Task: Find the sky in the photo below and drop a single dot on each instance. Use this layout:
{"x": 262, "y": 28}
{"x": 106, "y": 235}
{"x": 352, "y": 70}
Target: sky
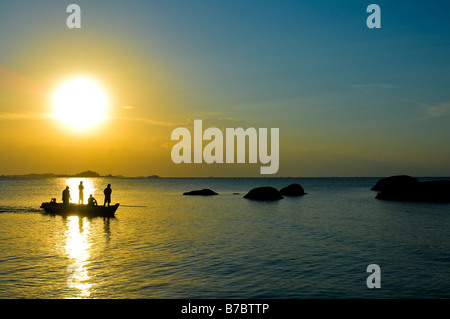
{"x": 348, "y": 100}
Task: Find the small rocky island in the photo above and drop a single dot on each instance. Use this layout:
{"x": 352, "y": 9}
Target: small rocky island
{"x": 202, "y": 192}
{"x": 266, "y": 193}
{"x": 293, "y": 190}
{"x": 410, "y": 189}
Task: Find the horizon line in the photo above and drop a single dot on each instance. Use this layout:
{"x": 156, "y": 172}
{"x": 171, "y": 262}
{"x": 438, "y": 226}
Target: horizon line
{"x": 154, "y": 176}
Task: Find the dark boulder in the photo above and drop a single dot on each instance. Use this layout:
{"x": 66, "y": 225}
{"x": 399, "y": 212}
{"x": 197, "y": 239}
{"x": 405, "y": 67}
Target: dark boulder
{"x": 395, "y": 182}
{"x": 293, "y": 190}
{"x": 409, "y": 189}
{"x": 435, "y": 191}
{"x": 203, "y": 192}
{"x": 264, "y": 194}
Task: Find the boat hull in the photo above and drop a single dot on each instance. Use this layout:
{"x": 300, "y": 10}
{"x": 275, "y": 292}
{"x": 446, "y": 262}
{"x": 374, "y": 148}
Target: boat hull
{"x": 79, "y": 210}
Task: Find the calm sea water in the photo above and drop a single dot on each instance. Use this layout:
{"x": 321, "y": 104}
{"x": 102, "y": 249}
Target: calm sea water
{"x": 316, "y": 246}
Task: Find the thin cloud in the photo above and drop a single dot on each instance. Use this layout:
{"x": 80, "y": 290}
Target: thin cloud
{"x": 220, "y": 123}
{"x": 374, "y": 86}
{"x": 25, "y": 116}
{"x": 143, "y": 120}
{"x": 437, "y": 110}
{"x": 20, "y": 82}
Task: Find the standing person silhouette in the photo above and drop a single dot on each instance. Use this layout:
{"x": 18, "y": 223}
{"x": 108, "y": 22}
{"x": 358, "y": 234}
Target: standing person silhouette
{"x": 81, "y": 195}
{"x": 107, "y": 193}
{"x": 66, "y": 196}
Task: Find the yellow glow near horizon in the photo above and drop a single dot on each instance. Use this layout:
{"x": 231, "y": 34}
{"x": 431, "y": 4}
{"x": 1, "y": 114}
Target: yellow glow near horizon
{"x": 80, "y": 103}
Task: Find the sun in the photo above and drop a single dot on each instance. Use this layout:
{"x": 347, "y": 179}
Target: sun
{"x": 80, "y": 103}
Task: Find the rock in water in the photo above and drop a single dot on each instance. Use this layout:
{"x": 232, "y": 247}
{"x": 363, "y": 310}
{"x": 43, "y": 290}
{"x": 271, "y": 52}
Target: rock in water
{"x": 406, "y": 188}
{"x": 435, "y": 191}
{"x": 203, "y": 192}
{"x": 293, "y": 190}
{"x": 395, "y": 182}
{"x": 264, "y": 194}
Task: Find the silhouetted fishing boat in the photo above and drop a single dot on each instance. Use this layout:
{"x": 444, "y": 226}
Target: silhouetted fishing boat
{"x": 80, "y": 210}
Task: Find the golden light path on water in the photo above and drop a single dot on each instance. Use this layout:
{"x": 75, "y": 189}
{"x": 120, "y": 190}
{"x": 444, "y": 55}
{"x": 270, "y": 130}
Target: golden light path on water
{"x": 77, "y": 245}
{"x": 77, "y": 249}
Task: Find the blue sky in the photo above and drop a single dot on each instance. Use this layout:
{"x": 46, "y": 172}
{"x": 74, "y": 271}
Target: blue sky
{"x": 338, "y": 91}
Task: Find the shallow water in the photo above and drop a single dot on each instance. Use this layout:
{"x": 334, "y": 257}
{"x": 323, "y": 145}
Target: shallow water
{"x": 315, "y": 246}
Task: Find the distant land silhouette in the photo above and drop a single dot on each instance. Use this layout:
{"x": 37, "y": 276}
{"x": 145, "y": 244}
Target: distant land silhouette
{"x": 81, "y": 175}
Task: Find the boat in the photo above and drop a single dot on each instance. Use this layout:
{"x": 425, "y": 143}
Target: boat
{"x": 79, "y": 210}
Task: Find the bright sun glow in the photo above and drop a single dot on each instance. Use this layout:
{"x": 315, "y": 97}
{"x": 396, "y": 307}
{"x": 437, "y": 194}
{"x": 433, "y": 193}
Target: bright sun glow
{"x": 80, "y": 103}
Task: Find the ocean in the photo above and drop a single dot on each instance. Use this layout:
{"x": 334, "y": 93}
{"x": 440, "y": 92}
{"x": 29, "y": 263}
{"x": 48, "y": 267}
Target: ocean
{"x": 173, "y": 246}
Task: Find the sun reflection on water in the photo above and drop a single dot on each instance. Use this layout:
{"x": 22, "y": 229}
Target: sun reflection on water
{"x": 77, "y": 249}
{"x": 89, "y": 188}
